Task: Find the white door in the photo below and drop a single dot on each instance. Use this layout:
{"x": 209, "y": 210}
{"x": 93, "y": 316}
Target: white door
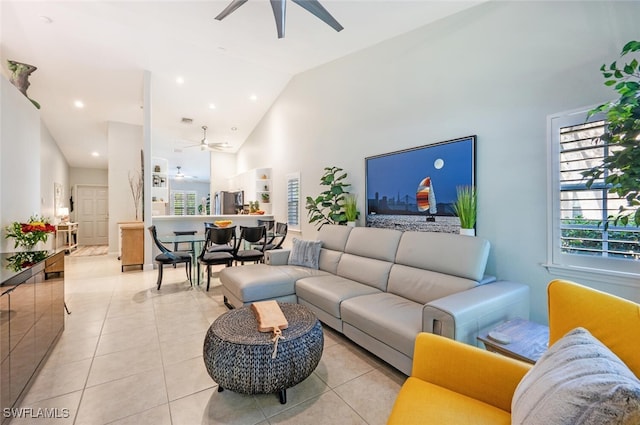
{"x": 92, "y": 215}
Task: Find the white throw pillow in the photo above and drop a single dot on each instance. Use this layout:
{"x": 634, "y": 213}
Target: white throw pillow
{"x": 577, "y": 381}
{"x": 305, "y": 253}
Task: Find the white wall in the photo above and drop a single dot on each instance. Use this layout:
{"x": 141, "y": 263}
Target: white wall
{"x": 92, "y": 176}
{"x": 30, "y": 161}
{"x": 497, "y": 71}
{"x": 124, "y": 145}
{"x": 54, "y": 168}
{"x": 20, "y": 159}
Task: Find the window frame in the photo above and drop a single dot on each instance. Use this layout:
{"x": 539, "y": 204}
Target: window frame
{"x": 288, "y": 178}
{"x": 616, "y": 270}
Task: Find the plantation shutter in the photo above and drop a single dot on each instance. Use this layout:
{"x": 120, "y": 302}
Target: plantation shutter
{"x": 583, "y": 211}
{"x": 293, "y": 201}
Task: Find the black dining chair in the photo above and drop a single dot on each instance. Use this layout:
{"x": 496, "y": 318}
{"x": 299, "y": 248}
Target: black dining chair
{"x": 167, "y": 256}
{"x": 277, "y": 238}
{"x": 250, "y": 236}
{"x": 222, "y": 237}
{"x": 268, "y": 223}
{"x": 221, "y": 244}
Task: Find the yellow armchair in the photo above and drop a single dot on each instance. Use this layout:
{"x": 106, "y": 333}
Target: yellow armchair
{"x": 453, "y": 383}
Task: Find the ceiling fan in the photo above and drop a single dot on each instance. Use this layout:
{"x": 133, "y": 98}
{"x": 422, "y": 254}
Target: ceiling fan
{"x": 205, "y": 144}
{"x": 279, "y": 11}
{"x": 180, "y": 175}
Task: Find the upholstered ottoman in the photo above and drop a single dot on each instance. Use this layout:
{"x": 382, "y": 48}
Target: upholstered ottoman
{"x": 242, "y": 359}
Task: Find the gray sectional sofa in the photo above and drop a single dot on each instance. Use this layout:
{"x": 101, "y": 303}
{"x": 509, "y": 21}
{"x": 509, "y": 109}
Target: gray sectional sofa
{"x": 381, "y": 287}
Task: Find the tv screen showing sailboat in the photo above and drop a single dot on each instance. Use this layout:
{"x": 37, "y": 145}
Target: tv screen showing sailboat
{"x": 415, "y": 189}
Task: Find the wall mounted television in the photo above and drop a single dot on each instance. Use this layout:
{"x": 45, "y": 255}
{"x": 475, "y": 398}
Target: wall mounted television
{"x": 414, "y": 189}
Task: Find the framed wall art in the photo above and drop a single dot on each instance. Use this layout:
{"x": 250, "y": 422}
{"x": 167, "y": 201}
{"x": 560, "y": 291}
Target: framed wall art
{"x": 414, "y": 189}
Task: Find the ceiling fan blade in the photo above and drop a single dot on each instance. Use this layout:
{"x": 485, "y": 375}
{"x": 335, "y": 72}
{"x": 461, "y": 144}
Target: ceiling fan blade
{"x": 279, "y": 12}
{"x": 230, "y": 9}
{"x": 319, "y": 11}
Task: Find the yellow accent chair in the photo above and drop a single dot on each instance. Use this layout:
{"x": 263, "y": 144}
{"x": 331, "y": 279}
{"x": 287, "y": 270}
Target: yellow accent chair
{"x": 453, "y": 383}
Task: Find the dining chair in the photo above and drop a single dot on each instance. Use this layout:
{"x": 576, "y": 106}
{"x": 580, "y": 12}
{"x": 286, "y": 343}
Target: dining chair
{"x": 167, "y": 256}
{"x": 221, "y": 244}
{"x": 277, "y": 238}
{"x": 222, "y": 237}
{"x": 268, "y": 223}
{"x": 251, "y": 236}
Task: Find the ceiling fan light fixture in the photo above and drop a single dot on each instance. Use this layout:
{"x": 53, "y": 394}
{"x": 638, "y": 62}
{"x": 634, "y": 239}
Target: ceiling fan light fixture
{"x": 279, "y": 13}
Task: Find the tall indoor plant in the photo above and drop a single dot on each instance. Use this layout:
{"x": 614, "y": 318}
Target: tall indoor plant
{"x": 466, "y": 207}
{"x": 350, "y": 209}
{"x": 621, "y": 168}
{"x": 327, "y": 208}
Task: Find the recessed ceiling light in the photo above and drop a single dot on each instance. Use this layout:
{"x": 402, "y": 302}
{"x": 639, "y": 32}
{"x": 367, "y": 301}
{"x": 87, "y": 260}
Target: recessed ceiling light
{"x": 234, "y": 128}
{"x": 253, "y": 97}
{"x": 179, "y": 80}
{"x": 78, "y": 104}
{"x": 96, "y": 154}
{"x": 212, "y": 106}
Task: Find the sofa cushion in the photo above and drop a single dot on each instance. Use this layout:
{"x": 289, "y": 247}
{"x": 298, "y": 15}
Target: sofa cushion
{"x": 333, "y": 236}
{"x": 305, "y": 253}
{"x": 329, "y": 260}
{"x": 421, "y": 402}
{"x": 365, "y": 270}
{"x": 423, "y": 286}
{"x": 327, "y": 292}
{"x": 371, "y": 242}
{"x": 256, "y": 282}
{"x": 389, "y": 318}
{"x": 578, "y": 381}
{"x": 445, "y": 253}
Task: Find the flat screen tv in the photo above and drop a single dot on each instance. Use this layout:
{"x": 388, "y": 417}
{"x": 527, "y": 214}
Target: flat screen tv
{"x": 414, "y": 189}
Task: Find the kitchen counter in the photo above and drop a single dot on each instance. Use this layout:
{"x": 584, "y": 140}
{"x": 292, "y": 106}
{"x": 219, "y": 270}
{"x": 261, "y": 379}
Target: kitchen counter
{"x": 167, "y": 224}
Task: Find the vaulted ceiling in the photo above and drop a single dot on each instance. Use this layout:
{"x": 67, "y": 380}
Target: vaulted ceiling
{"x": 231, "y": 71}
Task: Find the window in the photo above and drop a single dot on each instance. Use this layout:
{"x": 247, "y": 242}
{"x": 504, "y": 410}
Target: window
{"x": 293, "y": 201}
{"x": 183, "y": 202}
{"x": 577, "y": 235}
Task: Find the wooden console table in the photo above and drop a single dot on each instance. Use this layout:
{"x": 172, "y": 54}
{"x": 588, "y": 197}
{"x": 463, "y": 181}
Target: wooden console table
{"x": 527, "y": 340}
{"x": 132, "y": 240}
{"x": 69, "y": 232}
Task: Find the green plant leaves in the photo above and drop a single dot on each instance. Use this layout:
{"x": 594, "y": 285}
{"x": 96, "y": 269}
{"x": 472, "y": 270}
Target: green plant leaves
{"x": 327, "y": 208}
{"x": 622, "y": 166}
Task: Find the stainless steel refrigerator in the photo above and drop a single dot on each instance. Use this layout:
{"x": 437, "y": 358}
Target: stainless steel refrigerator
{"x": 228, "y": 202}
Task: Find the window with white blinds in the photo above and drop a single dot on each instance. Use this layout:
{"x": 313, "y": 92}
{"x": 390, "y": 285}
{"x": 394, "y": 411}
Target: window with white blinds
{"x": 183, "y": 202}
{"x": 293, "y": 201}
{"x": 579, "y": 236}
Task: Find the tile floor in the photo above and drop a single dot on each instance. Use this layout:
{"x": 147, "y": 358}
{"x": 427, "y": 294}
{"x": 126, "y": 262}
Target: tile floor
{"x": 133, "y": 355}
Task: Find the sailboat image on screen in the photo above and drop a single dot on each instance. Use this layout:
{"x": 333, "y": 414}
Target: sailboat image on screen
{"x": 426, "y": 198}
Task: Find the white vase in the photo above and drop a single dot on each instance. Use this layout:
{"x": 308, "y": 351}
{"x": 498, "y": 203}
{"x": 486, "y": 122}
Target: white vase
{"x": 351, "y": 223}
{"x": 467, "y": 232}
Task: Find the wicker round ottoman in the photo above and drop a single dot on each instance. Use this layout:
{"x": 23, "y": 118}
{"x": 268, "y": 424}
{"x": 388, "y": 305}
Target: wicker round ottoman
{"x": 239, "y": 357}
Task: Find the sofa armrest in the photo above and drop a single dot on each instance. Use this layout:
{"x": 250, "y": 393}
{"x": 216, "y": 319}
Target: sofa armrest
{"x": 277, "y": 257}
{"x": 467, "y": 370}
{"x": 464, "y": 315}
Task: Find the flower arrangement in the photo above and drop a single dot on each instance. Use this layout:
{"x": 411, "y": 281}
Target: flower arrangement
{"x": 22, "y": 260}
{"x": 28, "y": 234}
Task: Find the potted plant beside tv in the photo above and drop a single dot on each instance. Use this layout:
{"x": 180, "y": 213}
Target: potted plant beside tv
{"x": 327, "y": 208}
{"x": 466, "y": 207}
{"x": 351, "y": 209}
